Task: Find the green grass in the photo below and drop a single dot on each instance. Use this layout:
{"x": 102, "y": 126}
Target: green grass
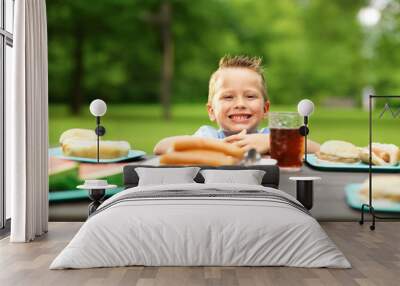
{"x": 143, "y": 126}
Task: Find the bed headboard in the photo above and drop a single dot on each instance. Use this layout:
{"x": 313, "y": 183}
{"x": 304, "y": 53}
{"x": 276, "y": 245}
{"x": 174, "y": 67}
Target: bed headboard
{"x": 270, "y": 179}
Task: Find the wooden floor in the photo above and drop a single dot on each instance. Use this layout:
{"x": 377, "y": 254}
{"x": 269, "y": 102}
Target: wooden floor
{"x": 375, "y": 257}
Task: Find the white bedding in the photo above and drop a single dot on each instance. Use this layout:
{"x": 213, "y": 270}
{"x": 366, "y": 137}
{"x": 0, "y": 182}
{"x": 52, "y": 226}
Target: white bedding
{"x": 183, "y": 231}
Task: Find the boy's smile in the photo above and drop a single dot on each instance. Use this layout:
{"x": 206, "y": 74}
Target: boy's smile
{"x": 240, "y": 117}
{"x": 238, "y": 102}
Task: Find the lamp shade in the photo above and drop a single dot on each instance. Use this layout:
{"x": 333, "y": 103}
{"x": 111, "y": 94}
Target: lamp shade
{"x": 305, "y": 107}
{"x": 98, "y": 107}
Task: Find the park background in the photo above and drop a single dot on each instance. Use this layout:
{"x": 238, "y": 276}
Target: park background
{"x": 151, "y": 61}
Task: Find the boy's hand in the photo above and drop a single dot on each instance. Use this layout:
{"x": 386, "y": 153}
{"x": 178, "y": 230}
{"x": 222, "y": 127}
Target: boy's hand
{"x": 236, "y": 137}
{"x": 247, "y": 141}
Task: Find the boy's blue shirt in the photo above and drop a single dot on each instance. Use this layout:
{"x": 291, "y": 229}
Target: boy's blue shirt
{"x": 207, "y": 131}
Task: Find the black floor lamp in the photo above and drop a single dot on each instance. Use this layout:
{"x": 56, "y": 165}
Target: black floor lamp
{"x": 97, "y": 188}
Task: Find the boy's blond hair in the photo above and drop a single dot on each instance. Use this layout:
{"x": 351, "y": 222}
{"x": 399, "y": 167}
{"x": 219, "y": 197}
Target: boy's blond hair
{"x": 227, "y": 61}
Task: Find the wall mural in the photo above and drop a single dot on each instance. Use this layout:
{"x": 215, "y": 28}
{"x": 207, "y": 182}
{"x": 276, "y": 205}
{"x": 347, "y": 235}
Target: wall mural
{"x": 155, "y": 73}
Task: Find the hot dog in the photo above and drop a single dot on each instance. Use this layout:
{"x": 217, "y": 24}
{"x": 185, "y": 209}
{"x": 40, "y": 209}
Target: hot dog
{"x": 195, "y": 143}
{"x": 197, "y": 157}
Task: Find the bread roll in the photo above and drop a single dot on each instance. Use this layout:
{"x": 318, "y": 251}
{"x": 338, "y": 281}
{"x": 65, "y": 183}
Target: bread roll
{"x": 338, "y": 151}
{"x": 382, "y": 154}
{"x": 197, "y": 157}
{"x": 195, "y": 143}
{"x": 77, "y": 134}
{"x": 88, "y": 149}
{"x": 383, "y": 187}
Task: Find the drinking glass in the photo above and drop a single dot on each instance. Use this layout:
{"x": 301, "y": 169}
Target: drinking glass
{"x": 286, "y": 142}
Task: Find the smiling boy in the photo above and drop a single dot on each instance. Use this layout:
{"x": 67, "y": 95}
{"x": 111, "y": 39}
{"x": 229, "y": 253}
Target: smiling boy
{"x": 238, "y": 103}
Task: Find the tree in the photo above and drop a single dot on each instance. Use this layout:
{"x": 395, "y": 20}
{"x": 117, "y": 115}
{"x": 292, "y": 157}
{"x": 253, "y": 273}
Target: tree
{"x": 165, "y": 50}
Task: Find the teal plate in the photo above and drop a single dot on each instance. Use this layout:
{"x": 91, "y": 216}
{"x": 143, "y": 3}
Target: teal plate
{"x": 355, "y": 167}
{"x": 132, "y": 155}
{"x": 354, "y": 200}
{"x": 71, "y": 195}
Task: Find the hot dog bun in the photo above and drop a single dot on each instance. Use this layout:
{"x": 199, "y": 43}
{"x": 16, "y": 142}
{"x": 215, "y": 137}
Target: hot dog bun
{"x": 382, "y": 154}
{"x": 88, "y": 149}
{"x": 338, "y": 151}
{"x": 383, "y": 187}
{"x": 77, "y": 134}
{"x": 197, "y": 157}
{"x": 195, "y": 143}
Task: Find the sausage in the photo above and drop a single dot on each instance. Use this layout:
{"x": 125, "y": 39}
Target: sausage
{"x": 195, "y": 143}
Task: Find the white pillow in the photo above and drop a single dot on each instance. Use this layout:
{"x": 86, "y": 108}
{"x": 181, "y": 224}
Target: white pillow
{"x": 164, "y": 176}
{"x": 249, "y": 177}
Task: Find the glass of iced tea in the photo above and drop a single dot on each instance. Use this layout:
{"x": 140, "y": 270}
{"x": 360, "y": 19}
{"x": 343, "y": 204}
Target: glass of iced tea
{"x": 286, "y": 142}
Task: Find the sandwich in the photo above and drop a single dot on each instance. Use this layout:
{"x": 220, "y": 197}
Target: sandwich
{"x": 383, "y": 188}
{"x": 338, "y": 152}
{"x": 88, "y": 149}
{"x": 78, "y": 142}
{"x": 77, "y": 134}
{"x": 382, "y": 154}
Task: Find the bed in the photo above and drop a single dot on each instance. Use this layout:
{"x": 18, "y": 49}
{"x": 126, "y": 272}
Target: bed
{"x": 201, "y": 224}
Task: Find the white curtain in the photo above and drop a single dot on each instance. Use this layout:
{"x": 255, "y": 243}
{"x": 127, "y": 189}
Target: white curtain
{"x": 26, "y": 119}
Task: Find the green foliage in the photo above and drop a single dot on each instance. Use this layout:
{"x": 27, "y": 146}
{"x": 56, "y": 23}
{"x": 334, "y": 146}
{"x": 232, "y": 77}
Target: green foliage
{"x": 311, "y": 48}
